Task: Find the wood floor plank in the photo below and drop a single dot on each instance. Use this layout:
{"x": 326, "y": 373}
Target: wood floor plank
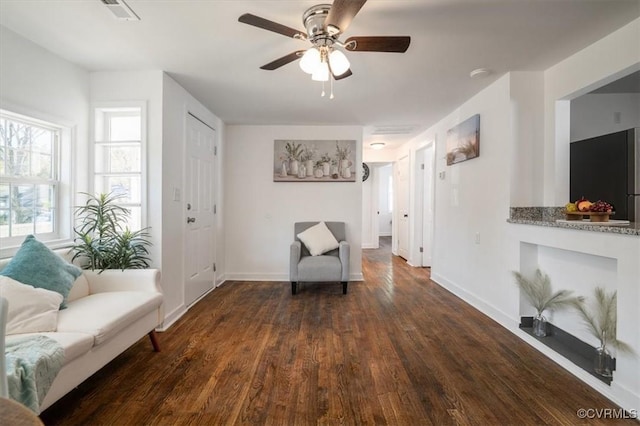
{"x": 397, "y": 349}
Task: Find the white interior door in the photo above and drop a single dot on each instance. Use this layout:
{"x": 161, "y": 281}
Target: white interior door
{"x": 199, "y": 253}
{"x": 428, "y": 204}
{"x": 402, "y": 198}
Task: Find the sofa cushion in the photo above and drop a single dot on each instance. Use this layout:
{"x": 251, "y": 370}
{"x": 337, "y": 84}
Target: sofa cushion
{"x": 79, "y": 289}
{"x": 318, "y": 239}
{"x": 35, "y": 264}
{"x": 105, "y": 314}
{"x": 30, "y": 309}
{"x": 74, "y": 344}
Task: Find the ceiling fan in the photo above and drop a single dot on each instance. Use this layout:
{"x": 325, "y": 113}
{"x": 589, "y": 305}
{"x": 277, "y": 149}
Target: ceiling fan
{"x": 324, "y": 23}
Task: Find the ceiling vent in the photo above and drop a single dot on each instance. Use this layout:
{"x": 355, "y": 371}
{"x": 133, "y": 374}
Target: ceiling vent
{"x": 393, "y": 130}
{"x": 121, "y": 10}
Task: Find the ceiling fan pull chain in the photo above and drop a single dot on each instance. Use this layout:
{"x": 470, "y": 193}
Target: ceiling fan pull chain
{"x": 331, "y": 85}
{"x": 322, "y": 94}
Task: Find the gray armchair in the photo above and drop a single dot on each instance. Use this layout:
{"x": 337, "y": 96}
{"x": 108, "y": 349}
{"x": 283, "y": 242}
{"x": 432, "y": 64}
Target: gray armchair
{"x": 332, "y": 266}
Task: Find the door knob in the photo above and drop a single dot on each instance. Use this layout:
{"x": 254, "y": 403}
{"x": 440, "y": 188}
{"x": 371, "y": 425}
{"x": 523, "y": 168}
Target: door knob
{"x": 191, "y": 219}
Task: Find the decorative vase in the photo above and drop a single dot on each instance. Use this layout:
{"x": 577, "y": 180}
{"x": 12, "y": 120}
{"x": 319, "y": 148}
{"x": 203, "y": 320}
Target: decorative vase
{"x": 293, "y": 167}
{"x": 603, "y": 363}
{"x": 318, "y": 173}
{"x": 308, "y": 165}
{"x": 539, "y": 325}
{"x": 326, "y": 169}
{"x": 302, "y": 173}
{"x": 344, "y": 166}
{"x": 283, "y": 171}
{"x": 334, "y": 170}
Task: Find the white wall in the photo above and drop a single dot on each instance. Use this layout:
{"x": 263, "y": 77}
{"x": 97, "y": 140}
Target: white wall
{"x": 527, "y": 129}
{"x": 37, "y": 83}
{"x": 177, "y": 102}
{"x": 606, "y": 60}
{"x": 259, "y": 213}
{"x": 144, "y": 86}
{"x": 384, "y": 218}
{"x": 369, "y": 199}
{"x": 473, "y": 198}
{"x": 595, "y": 114}
{"x": 524, "y": 148}
{"x": 167, "y": 106}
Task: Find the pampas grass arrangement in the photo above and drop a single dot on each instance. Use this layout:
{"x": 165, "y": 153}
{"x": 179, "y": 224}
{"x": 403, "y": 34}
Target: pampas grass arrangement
{"x": 601, "y": 319}
{"x": 539, "y": 294}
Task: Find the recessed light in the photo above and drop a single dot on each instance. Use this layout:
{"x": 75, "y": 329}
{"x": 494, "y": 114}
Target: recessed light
{"x": 479, "y": 73}
{"x": 377, "y": 145}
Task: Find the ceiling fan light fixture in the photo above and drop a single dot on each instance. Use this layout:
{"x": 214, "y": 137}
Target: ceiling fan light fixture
{"x": 310, "y": 60}
{"x": 339, "y": 62}
{"x": 321, "y": 73}
{"x": 377, "y": 145}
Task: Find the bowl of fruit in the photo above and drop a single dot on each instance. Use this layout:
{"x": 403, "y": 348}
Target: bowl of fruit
{"x": 598, "y": 211}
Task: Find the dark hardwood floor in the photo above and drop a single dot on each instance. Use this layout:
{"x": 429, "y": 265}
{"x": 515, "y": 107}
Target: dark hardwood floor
{"x": 397, "y": 349}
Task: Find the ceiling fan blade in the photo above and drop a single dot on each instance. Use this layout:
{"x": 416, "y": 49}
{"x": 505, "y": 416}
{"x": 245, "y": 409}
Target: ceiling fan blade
{"x": 266, "y": 24}
{"x": 341, "y": 14}
{"x": 397, "y": 44}
{"x": 345, "y": 74}
{"x": 283, "y": 61}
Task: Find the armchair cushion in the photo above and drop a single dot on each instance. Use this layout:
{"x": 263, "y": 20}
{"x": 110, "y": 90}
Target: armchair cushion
{"x": 318, "y": 239}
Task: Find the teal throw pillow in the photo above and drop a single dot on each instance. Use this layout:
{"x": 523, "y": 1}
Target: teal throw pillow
{"x": 35, "y": 264}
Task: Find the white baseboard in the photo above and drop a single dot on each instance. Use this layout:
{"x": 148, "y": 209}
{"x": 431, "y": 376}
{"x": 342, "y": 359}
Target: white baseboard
{"x": 625, "y": 398}
{"x": 254, "y": 276}
{"x": 478, "y": 303}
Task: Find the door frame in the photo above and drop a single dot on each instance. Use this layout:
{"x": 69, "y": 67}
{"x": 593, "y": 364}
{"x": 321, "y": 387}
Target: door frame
{"x": 424, "y": 193}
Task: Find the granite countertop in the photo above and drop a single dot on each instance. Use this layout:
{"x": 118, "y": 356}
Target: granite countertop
{"x": 547, "y": 216}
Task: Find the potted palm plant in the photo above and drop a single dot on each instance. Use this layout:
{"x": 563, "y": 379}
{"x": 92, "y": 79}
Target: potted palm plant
{"x": 102, "y": 239}
{"x": 539, "y": 294}
{"x": 601, "y": 318}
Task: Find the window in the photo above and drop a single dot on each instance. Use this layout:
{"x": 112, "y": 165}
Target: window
{"x": 118, "y": 154}
{"x": 29, "y": 178}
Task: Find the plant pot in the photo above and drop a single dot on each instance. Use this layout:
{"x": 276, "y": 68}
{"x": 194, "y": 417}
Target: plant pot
{"x": 539, "y": 326}
{"x": 293, "y": 167}
{"x": 308, "y": 165}
{"x": 326, "y": 169}
{"x": 345, "y": 170}
{"x": 603, "y": 363}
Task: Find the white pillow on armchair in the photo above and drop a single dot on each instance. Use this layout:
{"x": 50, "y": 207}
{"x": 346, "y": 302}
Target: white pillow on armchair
{"x": 318, "y": 239}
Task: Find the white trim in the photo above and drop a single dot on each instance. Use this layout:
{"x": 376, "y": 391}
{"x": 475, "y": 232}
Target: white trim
{"x": 66, "y": 159}
{"x": 257, "y": 276}
{"x": 144, "y": 154}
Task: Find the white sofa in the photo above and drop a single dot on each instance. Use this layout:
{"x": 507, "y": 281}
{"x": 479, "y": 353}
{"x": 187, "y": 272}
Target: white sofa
{"x": 106, "y": 313}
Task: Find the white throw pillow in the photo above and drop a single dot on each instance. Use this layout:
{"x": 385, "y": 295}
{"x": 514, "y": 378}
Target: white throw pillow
{"x": 31, "y": 309}
{"x": 318, "y": 239}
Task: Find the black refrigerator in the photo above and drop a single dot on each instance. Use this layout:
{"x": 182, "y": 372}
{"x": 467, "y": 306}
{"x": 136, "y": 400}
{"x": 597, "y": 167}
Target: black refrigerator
{"x": 607, "y": 168}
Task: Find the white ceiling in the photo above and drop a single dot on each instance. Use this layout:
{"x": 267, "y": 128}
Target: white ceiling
{"x": 202, "y": 45}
